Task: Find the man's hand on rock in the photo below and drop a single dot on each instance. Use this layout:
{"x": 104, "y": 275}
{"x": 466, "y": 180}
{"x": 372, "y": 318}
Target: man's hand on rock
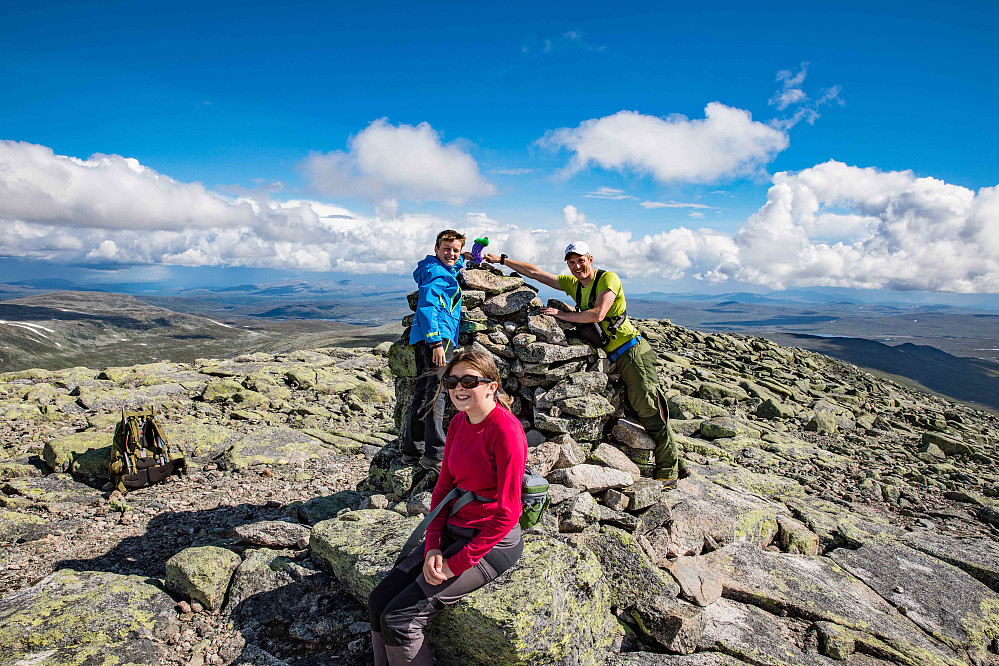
{"x": 551, "y": 312}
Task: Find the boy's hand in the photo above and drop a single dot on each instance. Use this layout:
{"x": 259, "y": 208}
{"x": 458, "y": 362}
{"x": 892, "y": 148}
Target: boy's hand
{"x": 467, "y": 255}
{"x": 438, "y": 357}
{"x": 491, "y": 258}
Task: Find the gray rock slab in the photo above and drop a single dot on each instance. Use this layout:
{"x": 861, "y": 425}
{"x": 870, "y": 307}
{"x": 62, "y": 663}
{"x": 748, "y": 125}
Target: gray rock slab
{"x": 274, "y": 534}
{"x": 816, "y": 588}
{"x": 591, "y": 478}
{"x": 698, "y": 584}
{"x": 942, "y": 599}
{"x": 755, "y": 636}
{"x": 606, "y": 455}
{"x": 978, "y": 557}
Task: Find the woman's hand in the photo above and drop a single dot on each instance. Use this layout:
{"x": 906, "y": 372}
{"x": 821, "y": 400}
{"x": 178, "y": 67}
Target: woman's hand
{"x": 435, "y": 568}
{"x": 438, "y": 357}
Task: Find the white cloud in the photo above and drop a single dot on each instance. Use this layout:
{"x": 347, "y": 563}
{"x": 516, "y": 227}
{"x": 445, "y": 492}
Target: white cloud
{"x": 104, "y": 191}
{"x": 388, "y": 161}
{"x": 792, "y": 94}
{"x": 512, "y": 172}
{"x": 829, "y": 225}
{"x": 604, "y": 192}
{"x": 672, "y": 204}
{"x": 899, "y": 232}
{"x": 726, "y": 143}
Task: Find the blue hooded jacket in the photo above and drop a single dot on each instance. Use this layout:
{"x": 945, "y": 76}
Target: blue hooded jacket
{"x": 438, "y": 310}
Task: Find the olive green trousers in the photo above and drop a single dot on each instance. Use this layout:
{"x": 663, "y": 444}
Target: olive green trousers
{"x": 637, "y": 368}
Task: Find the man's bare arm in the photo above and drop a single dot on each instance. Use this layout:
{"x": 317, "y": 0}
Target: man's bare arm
{"x": 527, "y": 270}
{"x": 605, "y": 299}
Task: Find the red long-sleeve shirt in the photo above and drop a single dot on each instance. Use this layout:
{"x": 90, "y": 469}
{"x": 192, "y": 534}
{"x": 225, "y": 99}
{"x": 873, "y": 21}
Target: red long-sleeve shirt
{"x": 487, "y": 458}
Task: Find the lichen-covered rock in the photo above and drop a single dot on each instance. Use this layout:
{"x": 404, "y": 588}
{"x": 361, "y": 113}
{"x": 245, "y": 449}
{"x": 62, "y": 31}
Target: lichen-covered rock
{"x": 587, "y": 406}
{"x": 402, "y": 359}
{"x": 87, "y": 617}
{"x": 202, "y": 574}
{"x": 577, "y": 513}
{"x": 795, "y": 537}
{"x": 543, "y": 352}
{"x": 14, "y": 523}
{"x": 824, "y": 423}
{"x": 318, "y": 509}
{"x": 268, "y": 585}
{"x": 69, "y": 453}
{"x": 606, "y": 455}
{"x": 723, "y": 426}
{"x": 220, "y": 390}
{"x": 689, "y": 407}
{"x": 514, "y": 620}
{"x": 272, "y": 446}
{"x": 629, "y": 573}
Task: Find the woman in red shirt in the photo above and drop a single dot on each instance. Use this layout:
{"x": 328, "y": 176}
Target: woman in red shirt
{"x": 485, "y": 452}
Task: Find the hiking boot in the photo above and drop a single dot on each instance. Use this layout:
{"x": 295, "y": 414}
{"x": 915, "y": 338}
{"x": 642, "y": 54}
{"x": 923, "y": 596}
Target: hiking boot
{"x": 430, "y": 464}
{"x": 410, "y": 459}
{"x": 668, "y": 478}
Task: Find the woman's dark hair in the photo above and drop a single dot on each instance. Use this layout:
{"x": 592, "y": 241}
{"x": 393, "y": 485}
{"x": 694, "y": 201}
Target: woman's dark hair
{"x": 478, "y": 360}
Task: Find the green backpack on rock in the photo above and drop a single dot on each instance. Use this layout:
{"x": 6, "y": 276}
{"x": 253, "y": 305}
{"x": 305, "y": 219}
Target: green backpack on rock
{"x": 140, "y": 455}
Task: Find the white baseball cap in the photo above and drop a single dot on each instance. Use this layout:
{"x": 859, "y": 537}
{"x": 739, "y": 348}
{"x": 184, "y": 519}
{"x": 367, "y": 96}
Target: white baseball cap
{"x": 578, "y": 247}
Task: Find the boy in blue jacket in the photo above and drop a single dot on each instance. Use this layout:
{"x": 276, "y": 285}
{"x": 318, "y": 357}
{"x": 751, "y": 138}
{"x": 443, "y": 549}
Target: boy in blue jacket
{"x": 434, "y": 336}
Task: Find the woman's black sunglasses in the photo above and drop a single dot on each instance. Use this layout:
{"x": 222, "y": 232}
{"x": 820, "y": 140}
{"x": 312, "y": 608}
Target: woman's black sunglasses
{"x": 468, "y": 381}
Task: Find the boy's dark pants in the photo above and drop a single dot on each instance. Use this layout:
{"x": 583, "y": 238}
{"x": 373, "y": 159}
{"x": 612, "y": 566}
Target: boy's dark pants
{"x": 429, "y": 429}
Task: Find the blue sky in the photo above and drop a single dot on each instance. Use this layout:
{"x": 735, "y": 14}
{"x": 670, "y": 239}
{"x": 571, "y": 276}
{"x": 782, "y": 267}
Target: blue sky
{"x": 316, "y": 140}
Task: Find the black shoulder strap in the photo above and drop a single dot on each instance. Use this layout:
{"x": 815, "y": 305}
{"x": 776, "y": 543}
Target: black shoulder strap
{"x": 593, "y": 290}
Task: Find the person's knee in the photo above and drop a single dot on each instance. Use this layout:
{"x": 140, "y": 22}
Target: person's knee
{"x": 398, "y": 628}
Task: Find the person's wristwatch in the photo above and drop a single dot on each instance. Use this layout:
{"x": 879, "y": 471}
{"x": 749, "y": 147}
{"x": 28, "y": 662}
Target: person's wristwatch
{"x": 502, "y": 260}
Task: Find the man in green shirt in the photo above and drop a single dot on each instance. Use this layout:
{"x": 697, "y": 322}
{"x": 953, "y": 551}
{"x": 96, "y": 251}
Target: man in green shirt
{"x": 601, "y": 302}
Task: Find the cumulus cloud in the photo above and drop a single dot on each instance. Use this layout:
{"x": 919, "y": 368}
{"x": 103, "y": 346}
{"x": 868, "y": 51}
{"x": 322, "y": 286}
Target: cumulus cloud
{"x": 109, "y": 208}
{"x": 104, "y": 191}
{"x": 890, "y": 230}
{"x": 726, "y": 143}
{"x": 386, "y": 161}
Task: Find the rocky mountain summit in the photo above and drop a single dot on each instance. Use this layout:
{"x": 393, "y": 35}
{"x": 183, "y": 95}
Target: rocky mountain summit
{"x": 831, "y": 516}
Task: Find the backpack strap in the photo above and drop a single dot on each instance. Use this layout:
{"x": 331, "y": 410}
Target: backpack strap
{"x": 461, "y": 497}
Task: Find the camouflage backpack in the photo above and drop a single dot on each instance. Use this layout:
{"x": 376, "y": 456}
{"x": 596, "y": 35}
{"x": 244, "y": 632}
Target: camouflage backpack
{"x": 140, "y": 455}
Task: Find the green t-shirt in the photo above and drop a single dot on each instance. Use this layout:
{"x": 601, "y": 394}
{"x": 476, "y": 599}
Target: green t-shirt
{"x": 609, "y": 280}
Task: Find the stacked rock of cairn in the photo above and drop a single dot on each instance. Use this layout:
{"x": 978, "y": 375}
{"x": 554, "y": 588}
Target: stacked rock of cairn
{"x": 572, "y": 408}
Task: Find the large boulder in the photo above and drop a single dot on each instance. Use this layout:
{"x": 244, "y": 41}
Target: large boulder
{"x": 946, "y": 602}
{"x": 86, "y": 617}
{"x": 272, "y": 446}
{"x": 552, "y": 607}
{"x": 818, "y": 589}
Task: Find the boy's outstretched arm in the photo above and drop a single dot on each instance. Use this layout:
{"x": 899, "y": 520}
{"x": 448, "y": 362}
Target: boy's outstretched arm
{"x": 527, "y": 270}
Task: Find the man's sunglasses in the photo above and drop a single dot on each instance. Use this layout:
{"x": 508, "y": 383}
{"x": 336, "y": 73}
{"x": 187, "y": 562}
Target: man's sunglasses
{"x": 468, "y": 381}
